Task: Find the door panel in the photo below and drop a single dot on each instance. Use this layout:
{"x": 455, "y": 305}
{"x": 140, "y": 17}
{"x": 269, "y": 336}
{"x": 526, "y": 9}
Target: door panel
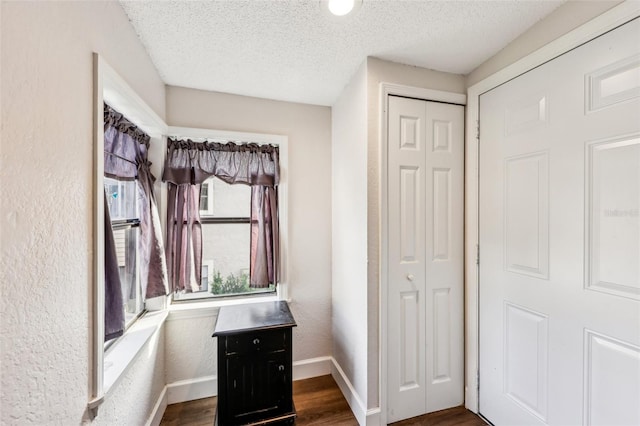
{"x": 407, "y": 256}
{"x": 425, "y": 304}
{"x": 560, "y": 239}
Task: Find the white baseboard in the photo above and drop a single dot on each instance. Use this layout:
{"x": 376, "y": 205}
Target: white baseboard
{"x": 365, "y": 417}
{"x": 373, "y": 417}
{"x": 207, "y": 386}
{"x": 158, "y": 410}
{"x": 189, "y": 390}
{"x": 312, "y": 367}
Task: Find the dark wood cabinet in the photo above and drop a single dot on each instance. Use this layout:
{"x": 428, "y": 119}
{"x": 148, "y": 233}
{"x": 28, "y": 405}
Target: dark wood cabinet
{"x": 255, "y": 364}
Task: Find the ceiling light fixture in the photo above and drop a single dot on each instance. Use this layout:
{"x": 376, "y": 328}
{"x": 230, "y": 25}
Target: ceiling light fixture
{"x": 341, "y": 7}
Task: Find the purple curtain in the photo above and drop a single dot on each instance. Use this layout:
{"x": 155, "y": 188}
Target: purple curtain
{"x": 113, "y": 303}
{"x": 193, "y": 162}
{"x": 125, "y": 158}
{"x": 184, "y": 237}
{"x": 265, "y": 234}
{"x": 190, "y": 163}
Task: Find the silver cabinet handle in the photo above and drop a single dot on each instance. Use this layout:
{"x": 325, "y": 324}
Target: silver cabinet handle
{"x": 410, "y": 277}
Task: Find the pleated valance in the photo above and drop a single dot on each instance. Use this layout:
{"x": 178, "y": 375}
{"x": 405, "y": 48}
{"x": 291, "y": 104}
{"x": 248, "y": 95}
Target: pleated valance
{"x": 125, "y": 146}
{"x": 190, "y": 162}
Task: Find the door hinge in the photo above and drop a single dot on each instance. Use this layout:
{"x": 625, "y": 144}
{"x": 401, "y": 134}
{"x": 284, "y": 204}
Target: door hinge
{"x": 477, "y": 254}
{"x": 478, "y": 130}
{"x": 478, "y": 380}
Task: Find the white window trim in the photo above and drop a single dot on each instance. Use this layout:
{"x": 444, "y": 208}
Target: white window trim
{"x": 200, "y": 135}
{"x": 111, "y": 88}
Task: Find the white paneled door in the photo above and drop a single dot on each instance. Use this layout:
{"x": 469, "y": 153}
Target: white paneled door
{"x": 560, "y": 239}
{"x": 425, "y": 257}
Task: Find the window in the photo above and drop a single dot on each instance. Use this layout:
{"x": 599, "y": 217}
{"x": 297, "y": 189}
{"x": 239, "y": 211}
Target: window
{"x": 225, "y": 214}
{"x": 206, "y": 201}
{"x": 122, "y": 199}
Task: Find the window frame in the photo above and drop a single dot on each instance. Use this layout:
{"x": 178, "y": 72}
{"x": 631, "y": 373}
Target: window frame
{"x": 223, "y": 136}
{"x": 110, "y": 87}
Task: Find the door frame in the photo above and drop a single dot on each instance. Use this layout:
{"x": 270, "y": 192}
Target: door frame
{"x": 386, "y": 90}
{"x": 614, "y": 17}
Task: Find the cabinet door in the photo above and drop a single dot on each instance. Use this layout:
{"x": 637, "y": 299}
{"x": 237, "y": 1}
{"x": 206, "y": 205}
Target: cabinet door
{"x": 258, "y": 385}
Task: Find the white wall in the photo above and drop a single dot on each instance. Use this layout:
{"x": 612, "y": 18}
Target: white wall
{"x": 189, "y": 349}
{"x": 349, "y": 232}
{"x": 138, "y": 391}
{"x": 46, "y": 194}
{"x": 564, "y": 19}
{"x": 308, "y": 128}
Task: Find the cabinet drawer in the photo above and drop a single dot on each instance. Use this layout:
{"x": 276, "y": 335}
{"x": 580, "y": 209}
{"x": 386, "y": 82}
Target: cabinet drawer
{"x": 259, "y": 341}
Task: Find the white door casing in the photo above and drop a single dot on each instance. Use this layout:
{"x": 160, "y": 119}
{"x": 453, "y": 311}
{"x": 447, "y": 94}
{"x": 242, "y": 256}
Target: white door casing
{"x": 425, "y": 257}
{"x": 560, "y": 239}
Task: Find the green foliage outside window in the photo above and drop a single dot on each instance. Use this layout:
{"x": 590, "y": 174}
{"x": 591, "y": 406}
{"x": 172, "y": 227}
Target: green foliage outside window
{"x": 233, "y": 284}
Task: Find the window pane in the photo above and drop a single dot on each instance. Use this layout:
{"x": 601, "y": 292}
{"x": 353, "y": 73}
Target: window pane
{"x": 225, "y": 261}
{"x": 122, "y": 197}
{"x": 227, "y": 245}
{"x": 126, "y": 241}
{"x": 228, "y": 200}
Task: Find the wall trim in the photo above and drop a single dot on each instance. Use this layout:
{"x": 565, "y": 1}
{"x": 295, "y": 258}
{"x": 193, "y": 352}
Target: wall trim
{"x": 207, "y": 386}
{"x": 601, "y": 24}
{"x": 191, "y": 389}
{"x": 365, "y": 417}
{"x": 312, "y": 367}
{"x": 158, "y": 409}
{"x": 357, "y": 406}
{"x": 422, "y": 93}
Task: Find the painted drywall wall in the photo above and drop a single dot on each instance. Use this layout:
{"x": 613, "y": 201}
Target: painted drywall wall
{"x": 138, "y": 391}
{"x": 567, "y": 17}
{"x": 189, "y": 349}
{"x": 46, "y": 238}
{"x": 379, "y": 71}
{"x": 349, "y": 232}
{"x": 308, "y": 128}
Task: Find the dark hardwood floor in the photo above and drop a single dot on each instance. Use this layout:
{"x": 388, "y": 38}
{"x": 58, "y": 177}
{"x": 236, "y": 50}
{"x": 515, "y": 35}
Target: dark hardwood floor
{"x": 318, "y": 402}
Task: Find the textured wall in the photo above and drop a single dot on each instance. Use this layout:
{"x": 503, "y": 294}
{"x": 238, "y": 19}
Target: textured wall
{"x": 190, "y": 350}
{"x": 46, "y": 194}
{"x": 349, "y": 231}
{"x": 309, "y": 130}
{"x": 567, "y": 17}
{"x": 379, "y": 71}
{"x": 138, "y": 391}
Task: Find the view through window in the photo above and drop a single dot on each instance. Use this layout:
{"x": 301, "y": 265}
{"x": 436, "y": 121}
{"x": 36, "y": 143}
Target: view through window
{"x": 122, "y": 198}
{"x": 225, "y": 214}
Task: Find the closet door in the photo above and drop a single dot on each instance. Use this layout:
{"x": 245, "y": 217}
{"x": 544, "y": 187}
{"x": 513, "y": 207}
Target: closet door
{"x": 425, "y": 257}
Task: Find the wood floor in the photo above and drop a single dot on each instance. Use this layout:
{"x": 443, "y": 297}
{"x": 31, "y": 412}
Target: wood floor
{"x": 318, "y": 401}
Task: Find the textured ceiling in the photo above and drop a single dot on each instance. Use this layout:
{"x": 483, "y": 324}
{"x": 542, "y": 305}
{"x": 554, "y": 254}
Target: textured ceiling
{"x": 296, "y": 51}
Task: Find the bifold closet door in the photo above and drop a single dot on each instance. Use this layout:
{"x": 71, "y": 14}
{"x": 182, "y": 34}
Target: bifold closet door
{"x": 425, "y": 257}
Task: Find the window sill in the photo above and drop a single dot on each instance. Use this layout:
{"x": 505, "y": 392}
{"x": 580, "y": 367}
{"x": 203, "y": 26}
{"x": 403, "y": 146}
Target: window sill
{"x": 199, "y": 308}
{"x": 123, "y": 353}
